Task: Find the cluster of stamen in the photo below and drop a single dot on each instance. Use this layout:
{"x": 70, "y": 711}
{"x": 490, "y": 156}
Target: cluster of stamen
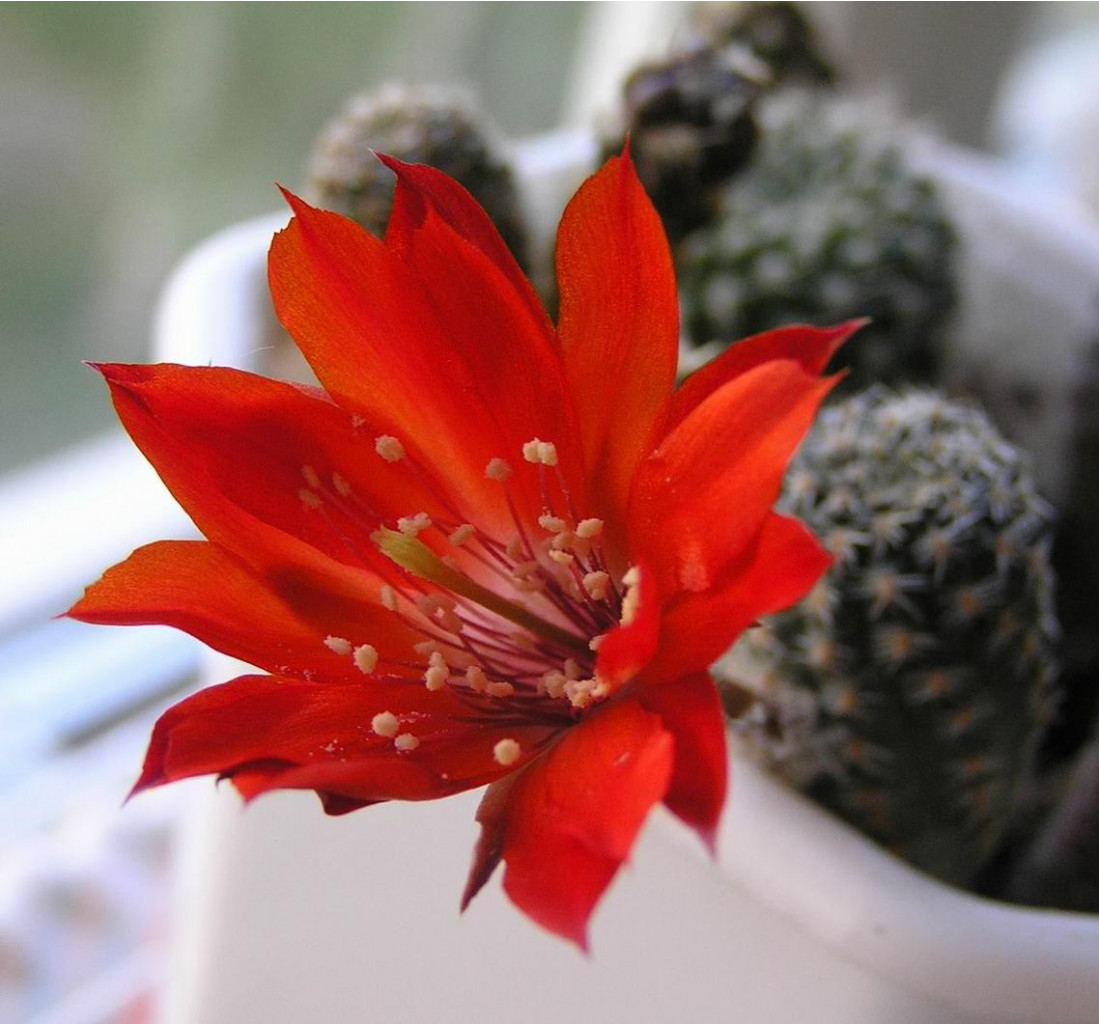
{"x": 517, "y": 643}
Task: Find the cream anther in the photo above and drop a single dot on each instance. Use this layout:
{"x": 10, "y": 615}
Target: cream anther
{"x": 366, "y": 658}
{"x": 311, "y": 477}
{"x": 596, "y": 642}
{"x": 506, "y": 752}
{"x": 338, "y": 645}
{"x": 498, "y": 470}
{"x": 597, "y": 584}
{"x": 388, "y": 596}
{"x": 476, "y": 679}
{"x": 389, "y": 448}
{"x": 580, "y": 692}
{"x": 412, "y": 526}
{"x": 561, "y": 557}
{"x": 555, "y": 524}
{"x": 589, "y": 528}
{"x": 385, "y": 724}
{"x": 554, "y": 684}
{"x": 310, "y": 499}
{"x": 631, "y": 600}
{"x": 462, "y": 534}
{"x": 343, "y": 488}
{"x": 406, "y": 741}
{"x": 499, "y": 689}
{"x": 563, "y": 540}
{"x": 435, "y": 678}
{"x": 425, "y": 648}
{"x": 540, "y": 452}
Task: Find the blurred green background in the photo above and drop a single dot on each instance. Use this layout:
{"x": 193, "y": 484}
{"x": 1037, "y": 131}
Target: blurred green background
{"x": 129, "y": 131}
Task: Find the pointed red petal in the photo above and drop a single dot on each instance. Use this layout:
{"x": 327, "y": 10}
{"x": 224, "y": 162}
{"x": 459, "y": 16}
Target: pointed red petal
{"x": 237, "y": 450}
{"x": 362, "y": 318}
{"x": 509, "y": 352}
{"x": 702, "y": 496}
{"x": 690, "y": 709}
{"x": 206, "y": 591}
{"x": 780, "y": 569}
{"x": 487, "y": 854}
{"x": 619, "y": 325}
{"x": 288, "y": 734}
{"x": 420, "y": 188}
{"x": 568, "y": 822}
{"x": 811, "y": 347}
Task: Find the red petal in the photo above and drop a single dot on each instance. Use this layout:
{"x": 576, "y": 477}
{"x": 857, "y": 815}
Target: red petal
{"x": 492, "y": 817}
{"x": 567, "y": 823}
{"x": 209, "y": 593}
{"x": 690, "y": 709}
{"x": 287, "y": 734}
{"x": 619, "y": 325}
{"x": 811, "y": 347}
{"x": 233, "y": 448}
{"x": 420, "y": 188}
{"x": 702, "y": 496}
{"x": 362, "y": 318}
{"x": 780, "y": 569}
{"x": 508, "y": 351}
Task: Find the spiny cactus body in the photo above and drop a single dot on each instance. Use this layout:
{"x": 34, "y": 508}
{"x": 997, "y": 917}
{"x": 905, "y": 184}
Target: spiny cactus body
{"x": 827, "y": 222}
{"x": 417, "y": 124}
{"x": 908, "y": 691}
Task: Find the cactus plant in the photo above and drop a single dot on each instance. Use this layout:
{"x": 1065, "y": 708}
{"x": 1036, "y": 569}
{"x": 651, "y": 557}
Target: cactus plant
{"x": 829, "y": 221}
{"x": 779, "y": 34}
{"x": 434, "y": 125}
{"x": 690, "y": 124}
{"x": 909, "y": 691}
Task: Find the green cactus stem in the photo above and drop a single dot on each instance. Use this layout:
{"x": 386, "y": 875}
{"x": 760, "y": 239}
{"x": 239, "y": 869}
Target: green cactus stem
{"x": 828, "y": 221}
{"x": 908, "y": 692}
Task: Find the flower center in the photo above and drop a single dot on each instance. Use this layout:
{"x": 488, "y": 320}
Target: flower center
{"x": 519, "y": 641}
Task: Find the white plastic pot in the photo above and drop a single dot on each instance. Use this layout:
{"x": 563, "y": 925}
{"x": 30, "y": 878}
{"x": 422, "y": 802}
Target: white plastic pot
{"x": 288, "y": 917}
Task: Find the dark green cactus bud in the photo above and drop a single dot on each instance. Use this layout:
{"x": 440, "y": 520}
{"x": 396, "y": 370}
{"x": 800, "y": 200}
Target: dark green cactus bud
{"x": 828, "y": 222}
{"x": 778, "y": 34}
{"x": 690, "y": 123}
{"x": 908, "y": 692}
{"x": 417, "y": 124}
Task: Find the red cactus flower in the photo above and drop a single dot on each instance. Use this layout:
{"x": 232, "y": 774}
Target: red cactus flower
{"x": 489, "y": 551}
